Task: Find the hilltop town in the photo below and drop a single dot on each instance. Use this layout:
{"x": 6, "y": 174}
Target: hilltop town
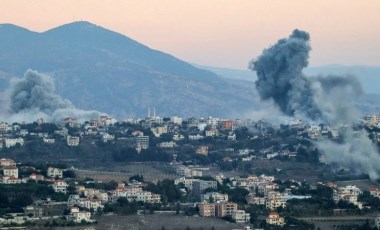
{"x": 251, "y": 173}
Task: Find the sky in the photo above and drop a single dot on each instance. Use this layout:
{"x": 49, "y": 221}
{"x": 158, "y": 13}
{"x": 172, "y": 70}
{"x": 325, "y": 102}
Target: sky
{"x": 222, "y": 33}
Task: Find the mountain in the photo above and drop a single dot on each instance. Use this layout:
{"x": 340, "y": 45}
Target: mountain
{"x": 100, "y": 69}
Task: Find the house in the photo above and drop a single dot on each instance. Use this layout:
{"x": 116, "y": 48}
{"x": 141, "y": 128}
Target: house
{"x": 348, "y": 193}
{"x": 195, "y": 137}
{"x": 60, "y": 186}
{"x": 212, "y": 133}
{"x": 275, "y": 200}
{"x": 215, "y": 197}
{"x": 178, "y": 137}
{"x": 169, "y": 144}
{"x": 10, "y": 142}
{"x": 135, "y": 193}
{"x": 80, "y": 216}
{"x": 275, "y": 219}
{"x": 240, "y": 216}
{"x": 54, "y": 172}
{"x": 6, "y": 162}
{"x": 10, "y": 180}
{"x": 10, "y": 170}
{"x": 34, "y": 211}
{"x": 202, "y": 150}
{"x": 188, "y": 182}
{"x": 158, "y": 131}
{"x": 108, "y": 137}
{"x": 48, "y": 140}
{"x": 374, "y": 192}
{"x": 37, "y": 177}
{"x": 72, "y": 141}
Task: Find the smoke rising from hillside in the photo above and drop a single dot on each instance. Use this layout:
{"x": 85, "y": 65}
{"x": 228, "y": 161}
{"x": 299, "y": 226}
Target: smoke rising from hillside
{"x": 325, "y": 99}
{"x": 34, "y": 96}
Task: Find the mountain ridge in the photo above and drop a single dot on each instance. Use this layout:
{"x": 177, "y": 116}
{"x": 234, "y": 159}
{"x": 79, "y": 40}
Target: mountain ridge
{"x": 97, "y": 68}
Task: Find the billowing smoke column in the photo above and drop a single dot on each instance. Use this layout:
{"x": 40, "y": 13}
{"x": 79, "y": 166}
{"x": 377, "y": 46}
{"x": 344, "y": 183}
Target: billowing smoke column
{"x": 34, "y": 97}
{"x": 280, "y": 77}
{"x": 325, "y": 99}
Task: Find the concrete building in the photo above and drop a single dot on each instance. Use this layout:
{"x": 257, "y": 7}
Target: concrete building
{"x": 72, "y": 141}
{"x": 142, "y": 142}
{"x": 10, "y": 171}
{"x": 240, "y": 216}
{"x": 275, "y": 200}
{"x": 207, "y": 209}
{"x": 225, "y": 209}
{"x": 54, "y": 172}
{"x": 215, "y": 197}
{"x": 202, "y": 150}
{"x": 60, "y": 186}
{"x": 6, "y": 162}
{"x": 10, "y": 142}
{"x": 200, "y": 185}
{"x": 80, "y": 216}
{"x": 275, "y": 219}
{"x": 227, "y": 125}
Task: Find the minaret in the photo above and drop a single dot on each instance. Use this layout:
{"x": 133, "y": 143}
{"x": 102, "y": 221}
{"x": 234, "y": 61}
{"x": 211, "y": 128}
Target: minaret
{"x": 149, "y": 112}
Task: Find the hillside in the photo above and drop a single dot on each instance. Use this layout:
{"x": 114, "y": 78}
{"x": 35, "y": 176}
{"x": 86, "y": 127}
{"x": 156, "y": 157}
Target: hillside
{"x": 100, "y": 69}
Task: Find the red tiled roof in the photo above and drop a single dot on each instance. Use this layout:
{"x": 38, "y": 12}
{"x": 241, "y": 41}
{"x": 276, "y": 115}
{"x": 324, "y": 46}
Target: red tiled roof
{"x": 10, "y": 167}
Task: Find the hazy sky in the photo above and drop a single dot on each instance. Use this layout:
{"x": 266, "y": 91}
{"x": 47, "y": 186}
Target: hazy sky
{"x": 226, "y": 33}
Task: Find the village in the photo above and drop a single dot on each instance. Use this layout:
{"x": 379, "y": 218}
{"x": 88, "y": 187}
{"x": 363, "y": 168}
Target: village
{"x": 37, "y": 192}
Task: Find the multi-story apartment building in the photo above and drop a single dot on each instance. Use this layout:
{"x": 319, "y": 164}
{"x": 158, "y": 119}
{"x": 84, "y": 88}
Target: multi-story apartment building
{"x": 200, "y": 185}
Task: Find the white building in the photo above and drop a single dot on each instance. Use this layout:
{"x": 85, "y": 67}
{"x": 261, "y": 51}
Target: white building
{"x": 240, "y": 216}
{"x": 10, "y": 142}
{"x": 176, "y": 120}
{"x": 72, "y": 141}
{"x": 215, "y": 197}
{"x": 79, "y": 216}
{"x": 169, "y": 144}
{"x": 60, "y": 186}
{"x": 348, "y": 193}
{"x": 108, "y": 137}
{"x": 178, "y": 137}
{"x": 10, "y": 171}
{"x": 48, "y": 140}
{"x": 55, "y": 172}
{"x": 195, "y": 137}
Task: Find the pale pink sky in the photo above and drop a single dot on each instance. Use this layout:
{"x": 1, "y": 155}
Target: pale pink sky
{"x": 226, "y": 33}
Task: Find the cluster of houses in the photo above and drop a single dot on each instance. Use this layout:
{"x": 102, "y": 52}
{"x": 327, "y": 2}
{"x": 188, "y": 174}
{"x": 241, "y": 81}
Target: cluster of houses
{"x": 348, "y": 193}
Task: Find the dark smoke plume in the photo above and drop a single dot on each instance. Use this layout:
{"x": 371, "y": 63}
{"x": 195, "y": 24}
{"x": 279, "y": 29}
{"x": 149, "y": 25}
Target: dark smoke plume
{"x": 325, "y": 99}
{"x": 280, "y": 77}
{"x": 34, "y": 97}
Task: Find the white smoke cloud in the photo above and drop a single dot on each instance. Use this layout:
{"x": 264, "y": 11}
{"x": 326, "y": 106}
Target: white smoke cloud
{"x": 34, "y": 96}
